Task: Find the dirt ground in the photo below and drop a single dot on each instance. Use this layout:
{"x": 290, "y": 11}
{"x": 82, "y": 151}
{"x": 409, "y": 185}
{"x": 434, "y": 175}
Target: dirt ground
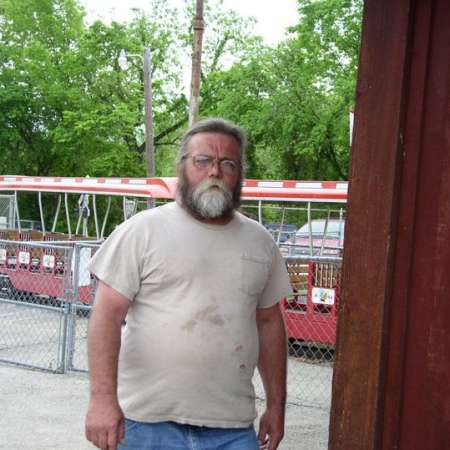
{"x": 46, "y": 411}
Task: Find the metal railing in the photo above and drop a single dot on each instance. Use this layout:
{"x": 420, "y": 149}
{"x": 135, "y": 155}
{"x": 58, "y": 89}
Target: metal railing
{"x": 42, "y": 295}
{"x": 35, "y": 295}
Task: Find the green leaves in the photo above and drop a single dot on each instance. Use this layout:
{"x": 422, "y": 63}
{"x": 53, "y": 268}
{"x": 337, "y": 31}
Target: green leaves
{"x": 294, "y": 100}
{"x": 67, "y": 109}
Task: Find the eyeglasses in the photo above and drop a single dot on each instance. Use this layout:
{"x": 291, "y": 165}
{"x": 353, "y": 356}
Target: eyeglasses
{"x": 206, "y": 162}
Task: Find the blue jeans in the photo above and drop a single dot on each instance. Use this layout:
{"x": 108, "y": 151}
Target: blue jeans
{"x": 173, "y": 436}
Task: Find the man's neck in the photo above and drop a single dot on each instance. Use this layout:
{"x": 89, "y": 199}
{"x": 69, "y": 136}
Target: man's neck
{"x": 218, "y": 221}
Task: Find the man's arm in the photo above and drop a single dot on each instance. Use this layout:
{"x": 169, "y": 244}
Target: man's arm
{"x": 104, "y": 419}
{"x": 272, "y": 368}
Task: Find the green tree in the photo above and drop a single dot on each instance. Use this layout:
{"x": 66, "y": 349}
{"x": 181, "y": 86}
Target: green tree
{"x": 67, "y": 108}
{"x": 36, "y": 43}
{"x": 294, "y": 99}
{"x": 320, "y": 66}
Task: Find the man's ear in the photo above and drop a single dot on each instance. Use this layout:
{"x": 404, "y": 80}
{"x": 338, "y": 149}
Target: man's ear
{"x": 178, "y": 169}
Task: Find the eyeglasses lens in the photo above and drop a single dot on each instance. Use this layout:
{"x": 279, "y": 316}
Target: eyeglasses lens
{"x": 206, "y": 162}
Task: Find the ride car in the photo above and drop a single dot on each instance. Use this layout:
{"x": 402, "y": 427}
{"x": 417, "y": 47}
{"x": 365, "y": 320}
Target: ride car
{"x": 320, "y": 237}
{"x": 281, "y": 232}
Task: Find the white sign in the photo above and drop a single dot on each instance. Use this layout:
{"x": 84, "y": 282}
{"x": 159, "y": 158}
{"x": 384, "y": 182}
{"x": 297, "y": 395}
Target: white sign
{"x": 48, "y": 261}
{"x": 2, "y": 255}
{"x": 323, "y": 296}
{"x": 84, "y": 276}
{"x": 24, "y": 258}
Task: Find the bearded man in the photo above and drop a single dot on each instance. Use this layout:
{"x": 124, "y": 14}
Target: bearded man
{"x": 198, "y": 284}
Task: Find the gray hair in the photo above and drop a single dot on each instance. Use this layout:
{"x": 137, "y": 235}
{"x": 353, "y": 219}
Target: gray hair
{"x": 215, "y": 125}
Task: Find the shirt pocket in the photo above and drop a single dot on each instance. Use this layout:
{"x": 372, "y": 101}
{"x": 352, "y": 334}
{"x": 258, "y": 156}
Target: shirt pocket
{"x": 254, "y": 273}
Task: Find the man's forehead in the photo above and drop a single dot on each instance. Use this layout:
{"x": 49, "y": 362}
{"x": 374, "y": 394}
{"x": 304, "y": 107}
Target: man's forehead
{"x": 213, "y": 141}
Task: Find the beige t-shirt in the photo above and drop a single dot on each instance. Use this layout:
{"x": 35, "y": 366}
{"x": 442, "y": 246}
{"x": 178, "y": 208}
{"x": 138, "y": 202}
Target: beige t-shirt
{"x": 190, "y": 344}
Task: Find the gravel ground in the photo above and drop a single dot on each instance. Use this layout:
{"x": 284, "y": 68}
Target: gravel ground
{"x": 46, "y": 411}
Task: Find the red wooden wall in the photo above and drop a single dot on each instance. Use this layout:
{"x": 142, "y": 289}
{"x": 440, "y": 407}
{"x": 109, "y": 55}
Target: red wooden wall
{"x": 392, "y": 374}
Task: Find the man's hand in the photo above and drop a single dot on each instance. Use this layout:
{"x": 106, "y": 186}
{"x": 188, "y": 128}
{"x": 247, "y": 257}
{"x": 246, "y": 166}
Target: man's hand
{"x": 104, "y": 419}
{"x": 272, "y": 368}
{"x": 105, "y": 426}
{"x": 271, "y": 428}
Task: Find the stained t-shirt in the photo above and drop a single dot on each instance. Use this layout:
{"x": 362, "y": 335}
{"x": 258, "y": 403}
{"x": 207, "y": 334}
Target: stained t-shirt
{"x": 190, "y": 344}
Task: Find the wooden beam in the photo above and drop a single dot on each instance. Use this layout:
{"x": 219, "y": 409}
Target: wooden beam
{"x": 392, "y": 346}
{"x": 368, "y": 255}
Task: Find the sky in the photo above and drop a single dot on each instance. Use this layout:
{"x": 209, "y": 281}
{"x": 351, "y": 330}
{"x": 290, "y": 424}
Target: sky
{"x": 273, "y": 17}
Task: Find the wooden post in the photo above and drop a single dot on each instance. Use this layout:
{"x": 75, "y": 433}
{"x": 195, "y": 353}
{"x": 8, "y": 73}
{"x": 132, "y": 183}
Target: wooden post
{"x": 149, "y": 145}
{"x": 196, "y": 63}
{"x": 390, "y": 388}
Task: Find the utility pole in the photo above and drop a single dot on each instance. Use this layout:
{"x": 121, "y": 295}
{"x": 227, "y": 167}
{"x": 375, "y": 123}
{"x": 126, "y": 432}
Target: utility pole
{"x": 148, "y": 111}
{"x": 199, "y": 27}
{"x": 149, "y": 145}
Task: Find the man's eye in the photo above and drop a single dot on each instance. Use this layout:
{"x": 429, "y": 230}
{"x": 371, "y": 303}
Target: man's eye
{"x": 203, "y": 160}
{"x": 228, "y": 164}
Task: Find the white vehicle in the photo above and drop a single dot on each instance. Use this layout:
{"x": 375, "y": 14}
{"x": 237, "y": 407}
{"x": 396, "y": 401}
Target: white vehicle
{"x": 320, "y": 237}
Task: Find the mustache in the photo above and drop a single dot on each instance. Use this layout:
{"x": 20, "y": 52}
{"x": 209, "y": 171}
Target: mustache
{"x": 212, "y": 183}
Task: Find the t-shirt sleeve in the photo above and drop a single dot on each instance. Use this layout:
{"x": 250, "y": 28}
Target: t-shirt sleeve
{"x": 118, "y": 262}
{"x": 278, "y": 285}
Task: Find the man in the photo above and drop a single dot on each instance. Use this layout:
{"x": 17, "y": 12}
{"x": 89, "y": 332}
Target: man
{"x": 199, "y": 285}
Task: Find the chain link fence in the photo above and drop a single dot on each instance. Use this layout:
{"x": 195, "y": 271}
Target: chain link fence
{"x": 82, "y": 307}
{"x": 7, "y": 211}
{"x": 35, "y": 292}
{"x": 47, "y": 293}
{"x": 310, "y": 316}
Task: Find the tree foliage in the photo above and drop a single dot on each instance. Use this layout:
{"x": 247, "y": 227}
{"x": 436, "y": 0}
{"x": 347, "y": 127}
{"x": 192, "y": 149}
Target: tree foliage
{"x": 294, "y": 100}
{"x": 67, "y": 109}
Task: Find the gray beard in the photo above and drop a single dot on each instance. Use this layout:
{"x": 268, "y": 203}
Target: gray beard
{"x": 211, "y": 199}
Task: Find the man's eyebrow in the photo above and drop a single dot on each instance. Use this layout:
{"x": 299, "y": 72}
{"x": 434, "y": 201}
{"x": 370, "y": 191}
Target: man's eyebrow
{"x": 220, "y": 159}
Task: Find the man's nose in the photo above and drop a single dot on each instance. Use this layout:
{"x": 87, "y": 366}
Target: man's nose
{"x": 215, "y": 170}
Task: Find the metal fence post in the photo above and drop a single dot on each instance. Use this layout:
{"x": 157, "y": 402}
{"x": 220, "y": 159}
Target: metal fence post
{"x": 68, "y": 294}
{"x": 62, "y": 366}
{"x": 73, "y": 302}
